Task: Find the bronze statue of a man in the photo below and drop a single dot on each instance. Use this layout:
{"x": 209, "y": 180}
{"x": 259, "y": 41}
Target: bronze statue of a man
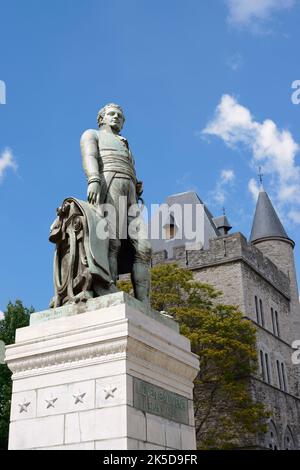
{"x": 109, "y": 166}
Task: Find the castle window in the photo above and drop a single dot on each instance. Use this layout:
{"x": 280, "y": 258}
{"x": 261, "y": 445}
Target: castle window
{"x": 289, "y": 440}
{"x": 170, "y": 231}
{"x": 273, "y": 320}
{"x": 256, "y": 310}
{"x": 259, "y": 312}
{"x": 283, "y": 377}
{"x": 272, "y": 437}
{"x": 262, "y": 320}
{"x": 277, "y": 323}
{"x": 267, "y": 368}
{"x": 170, "y": 228}
{"x": 279, "y": 375}
{"x": 262, "y": 365}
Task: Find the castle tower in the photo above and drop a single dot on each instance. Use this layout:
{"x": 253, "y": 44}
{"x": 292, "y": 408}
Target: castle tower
{"x": 259, "y": 277}
{"x": 270, "y": 237}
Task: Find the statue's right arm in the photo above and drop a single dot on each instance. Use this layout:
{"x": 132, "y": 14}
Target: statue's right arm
{"x": 89, "y": 152}
{"x": 90, "y": 161}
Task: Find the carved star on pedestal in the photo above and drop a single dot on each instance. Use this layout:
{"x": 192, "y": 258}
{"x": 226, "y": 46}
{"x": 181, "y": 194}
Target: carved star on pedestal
{"x": 50, "y": 403}
{"x": 109, "y": 392}
{"x": 23, "y": 406}
{"x": 79, "y": 397}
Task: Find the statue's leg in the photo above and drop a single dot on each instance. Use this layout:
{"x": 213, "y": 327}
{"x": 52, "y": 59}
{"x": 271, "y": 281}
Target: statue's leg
{"x": 114, "y": 248}
{"x": 140, "y": 276}
{"x": 138, "y": 236}
{"x": 114, "y": 192}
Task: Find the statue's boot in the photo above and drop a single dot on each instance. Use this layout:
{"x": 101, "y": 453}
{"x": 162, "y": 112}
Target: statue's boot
{"x": 140, "y": 277}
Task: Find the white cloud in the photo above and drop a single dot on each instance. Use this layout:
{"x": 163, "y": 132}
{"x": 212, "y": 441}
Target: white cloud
{"x": 1, "y": 315}
{"x": 272, "y": 148}
{"x": 219, "y": 194}
{"x": 7, "y": 161}
{"x": 253, "y": 188}
{"x": 294, "y": 215}
{"x": 232, "y": 122}
{"x": 251, "y": 12}
{"x": 227, "y": 175}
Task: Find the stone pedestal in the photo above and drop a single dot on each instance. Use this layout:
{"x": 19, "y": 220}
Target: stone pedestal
{"x": 110, "y": 374}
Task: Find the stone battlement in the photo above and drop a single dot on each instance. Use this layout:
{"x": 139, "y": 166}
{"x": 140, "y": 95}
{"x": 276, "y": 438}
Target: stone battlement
{"x": 229, "y": 248}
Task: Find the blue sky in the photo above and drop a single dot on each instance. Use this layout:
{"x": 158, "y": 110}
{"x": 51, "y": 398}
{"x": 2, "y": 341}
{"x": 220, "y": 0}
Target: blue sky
{"x": 206, "y": 87}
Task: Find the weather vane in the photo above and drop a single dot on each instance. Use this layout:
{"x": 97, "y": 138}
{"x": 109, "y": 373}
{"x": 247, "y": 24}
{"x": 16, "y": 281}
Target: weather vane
{"x": 260, "y": 175}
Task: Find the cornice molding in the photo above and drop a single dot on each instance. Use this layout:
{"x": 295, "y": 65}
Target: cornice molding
{"x": 83, "y": 356}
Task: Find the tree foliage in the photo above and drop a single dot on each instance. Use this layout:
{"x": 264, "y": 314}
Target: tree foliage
{"x": 225, "y": 413}
{"x": 15, "y": 316}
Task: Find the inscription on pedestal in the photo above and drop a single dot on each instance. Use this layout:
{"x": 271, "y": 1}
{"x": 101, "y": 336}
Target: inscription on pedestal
{"x": 160, "y": 402}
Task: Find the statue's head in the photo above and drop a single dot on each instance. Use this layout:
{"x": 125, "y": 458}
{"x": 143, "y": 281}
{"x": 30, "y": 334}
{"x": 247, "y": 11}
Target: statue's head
{"x": 112, "y": 115}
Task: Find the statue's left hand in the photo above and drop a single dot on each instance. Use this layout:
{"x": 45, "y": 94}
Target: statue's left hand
{"x": 94, "y": 193}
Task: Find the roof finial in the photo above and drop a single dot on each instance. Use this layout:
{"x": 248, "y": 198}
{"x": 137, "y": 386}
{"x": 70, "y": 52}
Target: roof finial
{"x": 223, "y": 209}
{"x": 260, "y": 175}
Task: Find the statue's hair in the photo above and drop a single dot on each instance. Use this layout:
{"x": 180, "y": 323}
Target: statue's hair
{"x": 102, "y": 112}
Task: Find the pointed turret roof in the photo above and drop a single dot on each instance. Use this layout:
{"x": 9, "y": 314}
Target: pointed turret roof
{"x": 266, "y": 222}
{"x": 222, "y": 222}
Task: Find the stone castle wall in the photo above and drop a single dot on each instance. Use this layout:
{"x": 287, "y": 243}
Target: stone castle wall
{"x": 281, "y": 252}
{"x": 227, "y": 249}
{"x": 241, "y": 272}
{"x": 285, "y": 416}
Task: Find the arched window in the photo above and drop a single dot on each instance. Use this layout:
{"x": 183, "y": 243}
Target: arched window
{"x": 262, "y": 318}
{"x": 288, "y": 440}
{"x": 277, "y": 323}
{"x": 264, "y": 359}
{"x": 272, "y": 437}
{"x": 273, "y": 320}
{"x": 279, "y": 374}
{"x": 262, "y": 365}
{"x": 268, "y": 376}
{"x": 170, "y": 227}
{"x": 256, "y": 309}
{"x": 283, "y": 377}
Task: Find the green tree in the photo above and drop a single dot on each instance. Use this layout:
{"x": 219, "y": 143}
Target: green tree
{"x": 226, "y": 415}
{"x": 15, "y": 316}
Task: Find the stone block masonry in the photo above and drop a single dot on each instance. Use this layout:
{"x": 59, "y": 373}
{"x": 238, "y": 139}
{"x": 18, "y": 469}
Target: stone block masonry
{"x": 228, "y": 249}
{"x": 261, "y": 281}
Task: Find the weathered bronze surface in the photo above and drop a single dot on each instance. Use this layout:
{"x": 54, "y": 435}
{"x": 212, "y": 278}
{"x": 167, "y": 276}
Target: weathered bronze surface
{"x": 100, "y": 239}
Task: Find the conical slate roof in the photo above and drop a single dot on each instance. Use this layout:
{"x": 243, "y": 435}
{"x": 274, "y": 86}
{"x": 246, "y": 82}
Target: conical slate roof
{"x": 222, "y": 222}
{"x": 266, "y": 221}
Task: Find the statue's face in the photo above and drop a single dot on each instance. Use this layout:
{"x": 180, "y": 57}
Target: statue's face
{"x": 114, "y": 118}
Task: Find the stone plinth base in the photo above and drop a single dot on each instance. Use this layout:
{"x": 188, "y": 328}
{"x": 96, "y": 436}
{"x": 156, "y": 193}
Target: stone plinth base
{"x": 112, "y": 374}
